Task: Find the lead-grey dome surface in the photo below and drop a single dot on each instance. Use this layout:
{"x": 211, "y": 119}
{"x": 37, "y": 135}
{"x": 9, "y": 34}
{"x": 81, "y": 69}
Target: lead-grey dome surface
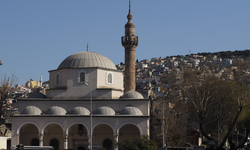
{"x": 104, "y": 110}
{"x": 87, "y": 59}
{"x": 56, "y": 110}
{"x": 36, "y": 95}
{"x": 79, "y": 111}
{"x": 133, "y": 95}
{"x": 130, "y": 110}
{"x": 31, "y": 110}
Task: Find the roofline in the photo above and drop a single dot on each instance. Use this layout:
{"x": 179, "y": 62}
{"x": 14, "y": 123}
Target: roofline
{"x": 79, "y": 99}
{"x": 86, "y": 116}
{"x": 87, "y": 68}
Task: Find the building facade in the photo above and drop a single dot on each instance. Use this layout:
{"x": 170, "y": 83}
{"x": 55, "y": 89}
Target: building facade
{"x": 85, "y": 107}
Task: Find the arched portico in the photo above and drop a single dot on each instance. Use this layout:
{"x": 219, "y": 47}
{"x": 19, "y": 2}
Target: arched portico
{"x": 28, "y": 132}
{"x": 128, "y": 130}
{"x": 103, "y": 135}
{"x": 138, "y": 127}
{"x": 53, "y": 135}
{"x": 50, "y": 123}
{"x": 67, "y": 130}
{"x": 78, "y": 136}
{"x": 18, "y": 130}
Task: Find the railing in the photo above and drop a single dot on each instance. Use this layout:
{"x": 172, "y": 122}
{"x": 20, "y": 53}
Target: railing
{"x": 129, "y": 39}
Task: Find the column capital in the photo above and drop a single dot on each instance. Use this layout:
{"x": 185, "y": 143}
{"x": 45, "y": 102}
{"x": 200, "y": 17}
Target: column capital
{"x": 66, "y": 136}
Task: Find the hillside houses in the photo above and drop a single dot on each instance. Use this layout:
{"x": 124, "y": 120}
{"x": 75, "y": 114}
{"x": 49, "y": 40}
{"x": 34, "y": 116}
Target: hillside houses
{"x": 150, "y": 72}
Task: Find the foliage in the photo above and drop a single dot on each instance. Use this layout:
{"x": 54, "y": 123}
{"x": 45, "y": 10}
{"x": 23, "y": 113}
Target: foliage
{"x": 142, "y": 142}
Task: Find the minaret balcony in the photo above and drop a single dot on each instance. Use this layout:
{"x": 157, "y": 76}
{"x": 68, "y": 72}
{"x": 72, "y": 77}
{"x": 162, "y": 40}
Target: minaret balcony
{"x": 128, "y": 40}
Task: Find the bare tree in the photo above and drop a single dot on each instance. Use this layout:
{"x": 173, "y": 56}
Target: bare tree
{"x": 215, "y": 104}
{"x": 5, "y": 86}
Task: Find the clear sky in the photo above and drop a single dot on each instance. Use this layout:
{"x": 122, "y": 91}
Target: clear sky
{"x": 37, "y": 35}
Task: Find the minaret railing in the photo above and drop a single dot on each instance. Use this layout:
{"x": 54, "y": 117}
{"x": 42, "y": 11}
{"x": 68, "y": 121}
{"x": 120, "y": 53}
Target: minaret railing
{"x": 129, "y": 39}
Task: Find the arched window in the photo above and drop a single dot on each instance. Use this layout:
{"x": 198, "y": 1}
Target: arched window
{"x": 55, "y": 144}
{"x": 109, "y": 78}
{"x": 58, "y": 78}
{"x": 107, "y": 144}
{"x": 81, "y": 76}
{"x": 35, "y": 142}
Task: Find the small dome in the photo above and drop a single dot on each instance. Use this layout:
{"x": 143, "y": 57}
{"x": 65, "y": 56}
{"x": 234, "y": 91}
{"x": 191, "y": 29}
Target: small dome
{"x": 87, "y": 59}
{"x": 36, "y": 95}
{"x": 56, "y": 110}
{"x": 79, "y": 111}
{"x": 104, "y": 110}
{"x": 130, "y": 110}
{"x": 133, "y": 95}
{"x": 31, "y": 110}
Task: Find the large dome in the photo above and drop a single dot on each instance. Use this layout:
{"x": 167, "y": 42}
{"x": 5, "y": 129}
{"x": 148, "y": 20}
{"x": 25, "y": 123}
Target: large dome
{"x": 87, "y": 59}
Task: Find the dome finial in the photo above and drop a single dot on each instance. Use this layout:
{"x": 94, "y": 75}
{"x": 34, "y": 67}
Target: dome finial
{"x": 87, "y": 47}
{"x": 129, "y": 16}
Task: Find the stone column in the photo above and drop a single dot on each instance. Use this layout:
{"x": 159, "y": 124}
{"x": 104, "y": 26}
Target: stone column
{"x": 18, "y": 138}
{"x": 65, "y": 141}
{"x": 116, "y": 142}
{"x": 40, "y": 139}
{"x": 89, "y": 141}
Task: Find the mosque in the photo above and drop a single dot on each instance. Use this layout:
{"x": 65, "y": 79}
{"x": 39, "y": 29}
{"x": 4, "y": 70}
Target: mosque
{"x": 88, "y": 104}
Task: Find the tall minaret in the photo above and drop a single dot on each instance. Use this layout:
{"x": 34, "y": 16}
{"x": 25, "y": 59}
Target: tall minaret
{"x": 41, "y": 80}
{"x": 130, "y": 42}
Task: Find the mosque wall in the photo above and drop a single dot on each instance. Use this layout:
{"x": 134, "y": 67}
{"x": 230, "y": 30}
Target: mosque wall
{"x": 102, "y": 77}
{"x": 68, "y": 105}
{"x": 96, "y": 78}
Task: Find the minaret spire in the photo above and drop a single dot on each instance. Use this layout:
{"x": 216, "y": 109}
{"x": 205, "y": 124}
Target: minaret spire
{"x": 129, "y": 42}
{"x": 87, "y": 47}
{"x": 129, "y": 6}
{"x": 129, "y": 16}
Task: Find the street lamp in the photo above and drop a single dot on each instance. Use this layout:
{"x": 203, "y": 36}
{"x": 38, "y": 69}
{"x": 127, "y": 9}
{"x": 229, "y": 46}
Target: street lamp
{"x": 90, "y": 115}
{"x": 163, "y": 123}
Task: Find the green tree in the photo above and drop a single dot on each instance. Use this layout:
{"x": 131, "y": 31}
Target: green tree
{"x": 140, "y": 143}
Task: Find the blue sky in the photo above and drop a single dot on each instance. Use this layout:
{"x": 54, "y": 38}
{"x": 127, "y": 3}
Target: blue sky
{"x": 37, "y": 35}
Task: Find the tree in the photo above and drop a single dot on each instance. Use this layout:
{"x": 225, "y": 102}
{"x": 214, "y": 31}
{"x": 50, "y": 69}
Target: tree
{"x": 216, "y": 105}
{"x": 6, "y": 84}
{"x": 175, "y": 119}
{"x": 140, "y": 143}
